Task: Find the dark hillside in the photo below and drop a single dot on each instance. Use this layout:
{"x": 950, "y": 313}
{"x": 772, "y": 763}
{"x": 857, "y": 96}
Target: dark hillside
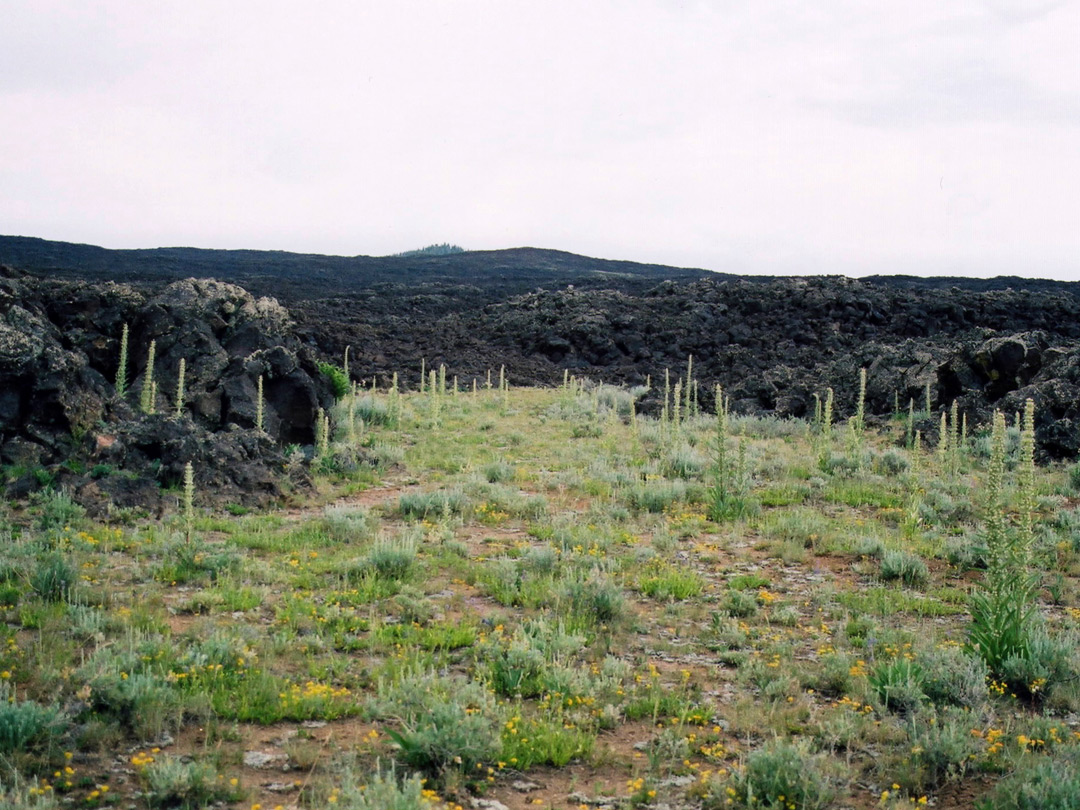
{"x": 771, "y": 342}
{"x": 469, "y": 276}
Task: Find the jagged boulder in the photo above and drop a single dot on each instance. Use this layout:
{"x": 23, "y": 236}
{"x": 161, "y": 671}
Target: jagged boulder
{"x": 48, "y": 393}
{"x": 59, "y": 352}
{"x": 228, "y": 339}
{"x": 1055, "y": 389}
{"x": 234, "y": 465}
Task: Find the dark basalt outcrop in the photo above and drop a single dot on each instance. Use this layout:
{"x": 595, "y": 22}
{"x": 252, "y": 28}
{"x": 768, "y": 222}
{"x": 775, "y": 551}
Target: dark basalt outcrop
{"x": 59, "y": 352}
{"x": 772, "y": 343}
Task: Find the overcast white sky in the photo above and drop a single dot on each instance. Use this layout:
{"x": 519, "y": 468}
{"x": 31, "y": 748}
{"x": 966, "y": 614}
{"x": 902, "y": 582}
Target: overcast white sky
{"x": 775, "y": 137}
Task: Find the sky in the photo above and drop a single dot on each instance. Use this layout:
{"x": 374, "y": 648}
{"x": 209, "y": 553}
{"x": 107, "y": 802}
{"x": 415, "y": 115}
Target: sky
{"x": 926, "y": 138}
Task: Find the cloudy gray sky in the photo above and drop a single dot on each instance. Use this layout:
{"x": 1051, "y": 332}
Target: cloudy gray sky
{"x": 776, "y": 137}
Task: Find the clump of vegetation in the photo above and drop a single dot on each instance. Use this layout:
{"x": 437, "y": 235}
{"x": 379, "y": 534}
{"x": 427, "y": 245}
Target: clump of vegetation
{"x": 172, "y": 782}
{"x": 337, "y": 378}
{"x": 26, "y": 724}
{"x": 449, "y": 728}
{"x": 777, "y": 775}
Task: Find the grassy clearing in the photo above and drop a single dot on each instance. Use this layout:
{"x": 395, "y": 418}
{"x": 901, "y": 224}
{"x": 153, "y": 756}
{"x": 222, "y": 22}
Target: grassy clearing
{"x": 532, "y": 593}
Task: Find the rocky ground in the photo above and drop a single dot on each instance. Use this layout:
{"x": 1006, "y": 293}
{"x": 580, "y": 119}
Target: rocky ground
{"x": 771, "y": 343}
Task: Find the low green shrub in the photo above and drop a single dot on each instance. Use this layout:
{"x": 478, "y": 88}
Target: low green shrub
{"x": 186, "y": 561}
{"x": 53, "y": 578}
{"x": 835, "y": 677}
{"x": 348, "y": 524}
{"x": 591, "y": 600}
{"x": 514, "y": 666}
{"x": 391, "y": 558}
{"x": 657, "y": 496}
{"x": 872, "y": 547}
{"x": 950, "y": 676}
{"x": 1042, "y": 664}
{"x": 26, "y": 724}
{"x": 449, "y": 728}
{"x": 685, "y": 462}
{"x": 432, "y": 505}
{"x": 1074, "y": 477}
{"x": 373, "y": 411}
{"x": 940, "y": 747}
{"x": 498, "y": 472}
{"x": 968, "y": 551}
{"x": 905, "y": 567}
{"x": 141, "y": 702}
{"x": 383, "y": 455}
{"x": 891, "y": 462}
{"x": 667, "y": 582}
{"x": 802, "y": 526}
{"x": 1050, "y": 783}
{"x": 337, "y": 378}
{"x": 171, "y": 782}
{"x": 898, "y": 683}
{"x": 748, "y": 582}
{"x": 778, "y": 776}
{"x": 740, "y": 604}
{"x": 383, "y": 790}
{"x": 58, "y": 510}
{"x": 549, "y": 739}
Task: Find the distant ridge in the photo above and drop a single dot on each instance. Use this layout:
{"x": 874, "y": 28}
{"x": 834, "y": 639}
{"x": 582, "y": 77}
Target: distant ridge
{"x": 305, "y": 275}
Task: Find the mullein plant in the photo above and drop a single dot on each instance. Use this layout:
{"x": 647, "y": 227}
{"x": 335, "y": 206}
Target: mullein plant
{"x": 189, "y": 500}
{"x": 915, "y": 487}
{"x": 910, "y": 439}
{"x": 854, "y": 442}
{"x": 720, "y": 489}
{"x": 180, "y": 388}
{"x": 259, "y": 404}
{"x": 436, "y": 399}
{"x": 825, "y": 431}
{"x": 954, "y": 438}
{"x": 350, "y": 424}
{"x": 395, "y": 401}
{"x": 943, "y": 442}
{"x": 815, "y": 426}
{"x": 322, "y": 434}
{"x": 1004, "y": 613}
{"x": 1028, "y": 496}
{"x": 860, "y": 406}
{"x": 858, "y": 422}
{"x": 149, "y": 388}
{"x": 689, "y": 386}
{"x": 121, "y": 369}
{"x": 727, "y": 496}
{"x": 665, "y": 412}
